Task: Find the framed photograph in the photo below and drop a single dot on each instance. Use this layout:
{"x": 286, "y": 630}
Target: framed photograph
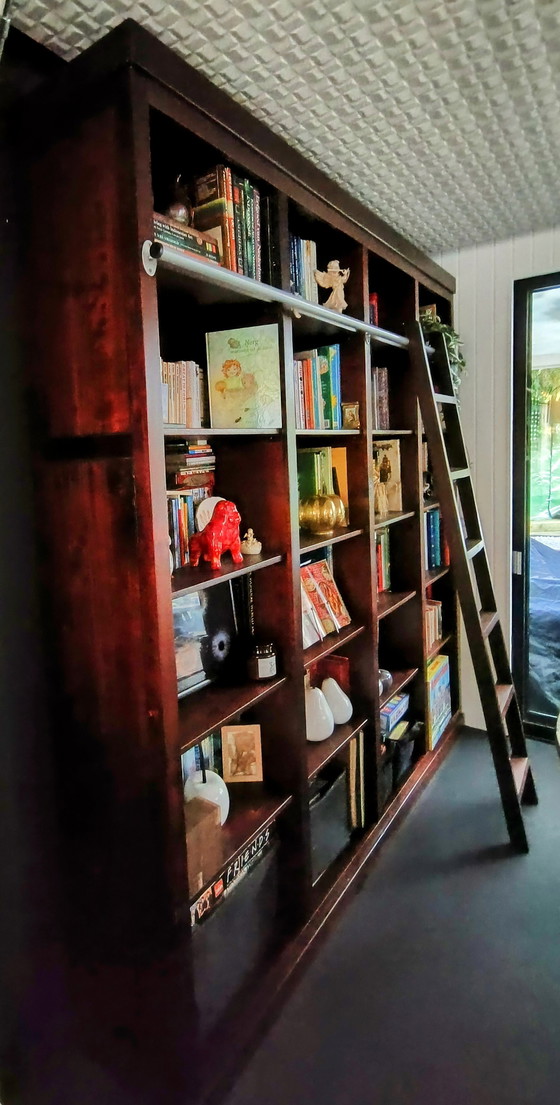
{"x": 351, "y": 416}
{"x": 244, "y": 378}
{"x": 242, "y": 754}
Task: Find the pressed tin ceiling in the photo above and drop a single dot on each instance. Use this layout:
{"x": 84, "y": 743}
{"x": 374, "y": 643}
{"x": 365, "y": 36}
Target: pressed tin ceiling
{"x": 443, "y": 116}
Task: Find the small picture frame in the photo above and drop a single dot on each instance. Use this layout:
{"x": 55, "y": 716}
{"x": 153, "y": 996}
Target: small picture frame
{"x": 242, "y": 754}
{"x": 351, "y": 416}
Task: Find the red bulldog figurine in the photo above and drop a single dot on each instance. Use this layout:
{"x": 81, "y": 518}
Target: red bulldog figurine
{"x": 220, "y": 534}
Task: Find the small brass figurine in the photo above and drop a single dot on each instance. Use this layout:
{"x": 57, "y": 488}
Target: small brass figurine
{"x": 334, "y": 278}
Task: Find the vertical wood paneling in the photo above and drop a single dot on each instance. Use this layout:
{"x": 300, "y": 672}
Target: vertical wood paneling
{"x": 483, "y": 317}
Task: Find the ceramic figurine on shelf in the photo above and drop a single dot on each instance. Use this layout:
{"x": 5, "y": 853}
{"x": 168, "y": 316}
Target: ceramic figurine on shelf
{"x": 249, "y": 545}
{"x": 181, "y": 209}
{"x": 218, "y": 536}
{"x": 334, "y": 278}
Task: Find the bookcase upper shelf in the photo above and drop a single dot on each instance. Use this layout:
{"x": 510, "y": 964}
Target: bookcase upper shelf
{"x": 207, "y": 275}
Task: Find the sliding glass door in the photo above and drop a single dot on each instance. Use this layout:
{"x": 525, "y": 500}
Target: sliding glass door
{"x": 536, "y": 501}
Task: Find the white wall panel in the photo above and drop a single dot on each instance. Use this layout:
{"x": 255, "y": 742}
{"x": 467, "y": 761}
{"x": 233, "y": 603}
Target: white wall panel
{"x": 483, "y": 317}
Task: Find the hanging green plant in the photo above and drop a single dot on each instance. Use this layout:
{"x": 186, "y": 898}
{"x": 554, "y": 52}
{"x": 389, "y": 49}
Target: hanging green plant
{"x": 431, "y": 324}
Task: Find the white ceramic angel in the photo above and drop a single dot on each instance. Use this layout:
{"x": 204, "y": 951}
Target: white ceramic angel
{"x": 334, "y": 278}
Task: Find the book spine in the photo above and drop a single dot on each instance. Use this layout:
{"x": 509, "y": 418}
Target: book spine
{"x": 248, "y": 227}
{"x": 257, "y": 233}
{"x": 336, "y": 387}
{"x": 237, "y": 189}
{"x": 230, "y": 260}
{"x": 188, "y": 243}
{"x": 324, "y": 359}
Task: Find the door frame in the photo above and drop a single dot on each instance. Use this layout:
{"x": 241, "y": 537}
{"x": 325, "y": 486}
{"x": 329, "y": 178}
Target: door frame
{"x": 522, "y": 319}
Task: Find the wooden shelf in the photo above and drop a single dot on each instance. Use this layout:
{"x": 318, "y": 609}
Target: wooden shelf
{"x": 392, "y": 517}
{"x": 172, "y": 430}
{"x": 309, "y": 542}
{"x": 431, "y": 504}
{"x": 330, "y": 644}
{"x": 391, "y": 433}
{"x": 400, "y": 680}
{"x": 213, "y": 706}
{"x": 438, "y": 645}
{"x": 434, "y": 574}
{"x": 387, "y": 601}
{"x": 249, "y": 814}
{"x": 189, "y": 579}
{"x": 328, "y": 433}
{"x": 320, "y": 752}
{"x": 213, "y": 284}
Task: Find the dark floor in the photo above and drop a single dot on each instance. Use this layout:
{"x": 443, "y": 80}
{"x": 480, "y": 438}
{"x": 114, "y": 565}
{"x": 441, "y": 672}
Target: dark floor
{"x": 440, "y": 983}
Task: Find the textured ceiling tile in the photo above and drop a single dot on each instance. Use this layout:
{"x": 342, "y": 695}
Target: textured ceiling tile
{"x": 442, "y": 115}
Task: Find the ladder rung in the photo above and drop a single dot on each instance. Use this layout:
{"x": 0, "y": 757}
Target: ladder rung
{"x": 520, "y": 769}
{"x": 488, "y": 619}
{"x": 445, "y": 398}
{"x": 460, "y": 473}
{"x": 474, "y": 545}
{"x": 504, "y": 694}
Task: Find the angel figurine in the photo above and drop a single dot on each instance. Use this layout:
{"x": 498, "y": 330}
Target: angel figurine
{"x": 249, "y": 545}
{"x": 334, "y": 278}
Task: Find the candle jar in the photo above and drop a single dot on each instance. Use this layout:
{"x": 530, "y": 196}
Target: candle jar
{"x": 262, "y": 662}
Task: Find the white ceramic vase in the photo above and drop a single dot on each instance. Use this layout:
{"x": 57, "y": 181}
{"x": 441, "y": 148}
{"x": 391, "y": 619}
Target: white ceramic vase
{"x": 319, "y": 721}
{"x": 340, "y": 704}
{"x": 213, "y": 790}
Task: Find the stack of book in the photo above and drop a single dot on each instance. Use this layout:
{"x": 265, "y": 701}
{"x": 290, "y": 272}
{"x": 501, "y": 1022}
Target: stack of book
{"x": 227, "y": 208}
{"x": 323, "y": 609}
{"x": 317, "y": 389}
{"x": 303, "y": 262}
{"x": 433, "y": 622}
{"x": 181, "y": 236}
{"x": 383, "y": 560}
{"x": 184, "y": 394}
{"x": 190, "y": 468}
{"x": 438, "y": 698}
{"x": 380, "y": 398}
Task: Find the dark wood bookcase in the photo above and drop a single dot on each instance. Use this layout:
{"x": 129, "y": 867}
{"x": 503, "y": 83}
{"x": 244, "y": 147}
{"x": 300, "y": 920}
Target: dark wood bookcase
{"x": 107, "y": 140}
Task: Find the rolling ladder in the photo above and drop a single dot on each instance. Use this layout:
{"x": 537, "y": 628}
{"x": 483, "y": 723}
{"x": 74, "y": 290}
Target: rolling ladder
{"x": 432, "y": 382}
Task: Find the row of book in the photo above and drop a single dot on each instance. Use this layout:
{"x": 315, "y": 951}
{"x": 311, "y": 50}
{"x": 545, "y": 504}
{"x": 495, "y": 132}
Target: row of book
{"x": 303, "y": 262}
{"x": 181, "y": 511}
{"x": 433, "y": 621}
{"x": 435, "y": 546}
{"x": 439, "y": 699}
{"x": 322, "y": 605}
{"x": 184, "y": 393}
{"x": 208, "y": 754}
{"x": 383, "y": 560}
{"x": 317, "y": 389}
{"x": 228, "y": 207}
{"x": 380, "y": 397}
{"x": 190, "y": 476}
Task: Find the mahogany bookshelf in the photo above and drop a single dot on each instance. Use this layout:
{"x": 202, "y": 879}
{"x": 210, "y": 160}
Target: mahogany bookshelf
{"x": 105, "y": 142}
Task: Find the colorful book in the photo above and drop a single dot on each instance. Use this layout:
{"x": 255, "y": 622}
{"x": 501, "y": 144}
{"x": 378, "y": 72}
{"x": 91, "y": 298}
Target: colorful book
{"x": 187, "y": 238}
{"x": 328, "y": 591}
{"x": 244, "y": 378}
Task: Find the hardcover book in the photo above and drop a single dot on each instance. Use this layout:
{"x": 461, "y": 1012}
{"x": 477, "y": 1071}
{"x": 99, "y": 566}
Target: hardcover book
{"x": 324, "y": 593}
{"x": 387, "y": 462}
{"x": 244, "y": 378}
